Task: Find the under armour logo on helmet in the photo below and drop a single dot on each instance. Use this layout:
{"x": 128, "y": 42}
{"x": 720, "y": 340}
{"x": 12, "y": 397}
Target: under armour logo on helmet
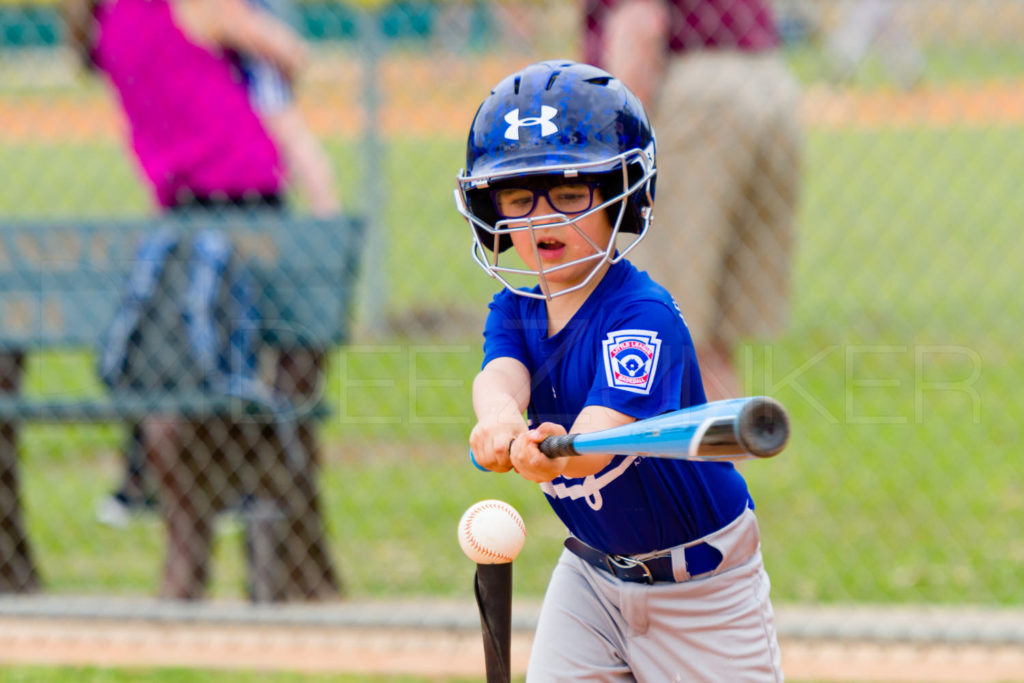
{"x": 547, "y": 126}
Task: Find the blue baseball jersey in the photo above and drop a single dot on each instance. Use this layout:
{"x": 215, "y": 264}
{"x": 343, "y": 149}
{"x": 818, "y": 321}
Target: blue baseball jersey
{"x": 627, "y": 348}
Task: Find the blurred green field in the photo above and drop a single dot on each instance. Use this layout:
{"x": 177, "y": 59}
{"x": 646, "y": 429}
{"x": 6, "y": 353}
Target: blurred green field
{"x": 948, "y": 62}
{"x": 900, "y": 369}
{"x": 178, "y": 675}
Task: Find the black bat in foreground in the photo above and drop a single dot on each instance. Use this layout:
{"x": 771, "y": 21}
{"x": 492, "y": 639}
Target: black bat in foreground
{"x": 492, "y": 586}
{"x": 733, "y": 429}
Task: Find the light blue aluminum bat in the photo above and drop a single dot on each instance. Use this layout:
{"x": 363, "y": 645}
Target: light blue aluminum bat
{"x": 733, "y": 429}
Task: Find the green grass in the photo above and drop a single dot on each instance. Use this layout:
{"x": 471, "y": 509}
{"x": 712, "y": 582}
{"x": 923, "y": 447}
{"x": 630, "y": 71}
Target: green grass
{"x": 901, "y": 366}
{"x": 39, "y": 674}
{"x": 950, "y": 62}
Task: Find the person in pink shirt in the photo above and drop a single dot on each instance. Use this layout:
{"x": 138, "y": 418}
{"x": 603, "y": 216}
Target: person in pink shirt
{"x": 726, "y": 109}
{"x": 202, "y": 145}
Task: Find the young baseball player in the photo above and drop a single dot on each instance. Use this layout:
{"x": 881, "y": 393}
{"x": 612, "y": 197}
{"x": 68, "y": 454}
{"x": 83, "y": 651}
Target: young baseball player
{"x": 662, "y": 577}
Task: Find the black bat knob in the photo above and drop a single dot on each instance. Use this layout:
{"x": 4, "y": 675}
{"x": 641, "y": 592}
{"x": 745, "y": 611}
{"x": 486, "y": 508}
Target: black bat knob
{"x": 762, "y": 427}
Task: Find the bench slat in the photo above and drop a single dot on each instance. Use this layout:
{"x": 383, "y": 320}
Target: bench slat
{"x": 115, "y": 408}
{"x": 60, "y": 281}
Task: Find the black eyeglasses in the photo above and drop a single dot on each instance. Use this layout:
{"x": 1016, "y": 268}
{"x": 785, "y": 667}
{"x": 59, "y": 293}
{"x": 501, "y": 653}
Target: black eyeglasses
{"x": 517, "y": 202}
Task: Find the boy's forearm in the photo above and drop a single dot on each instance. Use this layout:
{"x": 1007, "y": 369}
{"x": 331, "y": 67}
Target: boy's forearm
{"x": 594, "y": 418}
{"x": 500, "y": 393}
{"x": 500, "y": 410}
{"x": 584, "y": 465}
{"x": 498, "y": 398}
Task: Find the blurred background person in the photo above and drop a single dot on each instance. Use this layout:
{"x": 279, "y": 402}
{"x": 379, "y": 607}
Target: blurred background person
{"x": 725, "y": 106}
{"x": 205, "y": 88}
{"x": 270, "y": 66}
{"x": 862, "y": 25}
{"x": 268, "y": 55}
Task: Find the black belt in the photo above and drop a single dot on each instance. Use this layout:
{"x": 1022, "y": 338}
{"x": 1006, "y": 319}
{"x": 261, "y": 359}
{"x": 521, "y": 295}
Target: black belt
{"x": 700, "y": 559}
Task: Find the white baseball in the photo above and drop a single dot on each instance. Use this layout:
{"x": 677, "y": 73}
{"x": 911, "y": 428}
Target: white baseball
{"x": 491, "y": 532}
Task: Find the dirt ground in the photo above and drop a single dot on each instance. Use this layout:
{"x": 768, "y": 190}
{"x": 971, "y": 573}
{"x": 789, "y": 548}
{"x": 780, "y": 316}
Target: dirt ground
{"x": 424, "y": 97}
{"x": 438, "y": 653}
{"x": 442, "y": 639}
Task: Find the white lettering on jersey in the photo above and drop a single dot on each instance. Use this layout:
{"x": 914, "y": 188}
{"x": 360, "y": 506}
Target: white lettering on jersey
{"x": 547, "y": 126}
{"x": 591, "y": 486}
{"x": 631, "y": 359}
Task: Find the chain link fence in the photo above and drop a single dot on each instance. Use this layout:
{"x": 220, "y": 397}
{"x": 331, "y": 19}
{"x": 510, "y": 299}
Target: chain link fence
{"x": 899, "y": 358}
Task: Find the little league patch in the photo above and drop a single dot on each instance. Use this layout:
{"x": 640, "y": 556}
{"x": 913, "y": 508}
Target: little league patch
{"x": 631, "y": 359}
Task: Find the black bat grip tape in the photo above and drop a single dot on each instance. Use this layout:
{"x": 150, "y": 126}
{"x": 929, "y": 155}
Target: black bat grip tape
{"x": 558, "y": 446}
{"x": 763, "y": 427}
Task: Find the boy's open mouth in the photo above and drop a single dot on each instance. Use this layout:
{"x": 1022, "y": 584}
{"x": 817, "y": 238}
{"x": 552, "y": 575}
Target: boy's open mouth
{"x": 550, "y": 247}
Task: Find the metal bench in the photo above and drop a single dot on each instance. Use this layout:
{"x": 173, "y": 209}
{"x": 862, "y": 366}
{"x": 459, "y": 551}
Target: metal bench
{"x": 60, "y": 284}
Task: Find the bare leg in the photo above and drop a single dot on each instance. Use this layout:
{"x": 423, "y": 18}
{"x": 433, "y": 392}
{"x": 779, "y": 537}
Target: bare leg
{"x": 18, "y": 572}
{"x": 173, "y": 447}
{"x": 135, "y": 488}
{"x": 299, "y": 376}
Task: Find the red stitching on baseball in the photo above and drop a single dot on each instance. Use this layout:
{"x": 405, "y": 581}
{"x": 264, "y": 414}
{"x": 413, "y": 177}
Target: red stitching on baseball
{"x": 471, "y": 540}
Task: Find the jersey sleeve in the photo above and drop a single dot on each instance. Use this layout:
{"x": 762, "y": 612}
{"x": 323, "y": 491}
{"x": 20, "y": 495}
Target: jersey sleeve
{"x": 648, "y": 364}
{"x": 503, "y": 331}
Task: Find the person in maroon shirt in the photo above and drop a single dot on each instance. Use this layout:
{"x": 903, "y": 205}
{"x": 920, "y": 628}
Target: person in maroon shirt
{"x": 725, "y": 108}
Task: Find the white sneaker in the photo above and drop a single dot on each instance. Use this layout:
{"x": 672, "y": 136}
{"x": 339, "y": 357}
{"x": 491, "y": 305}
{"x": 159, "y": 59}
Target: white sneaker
{"x": 112, "y": 511}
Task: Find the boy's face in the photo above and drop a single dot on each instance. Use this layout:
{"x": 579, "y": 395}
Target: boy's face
{"x": 541, "y": 203}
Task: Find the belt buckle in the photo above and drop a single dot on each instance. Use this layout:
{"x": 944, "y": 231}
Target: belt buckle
{"x": 625, "y": 562}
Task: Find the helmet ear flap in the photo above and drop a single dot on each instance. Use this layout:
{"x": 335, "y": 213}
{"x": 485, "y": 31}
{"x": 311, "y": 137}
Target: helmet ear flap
{"x": 642, "y": 199}
{"x": 632, "y": 218}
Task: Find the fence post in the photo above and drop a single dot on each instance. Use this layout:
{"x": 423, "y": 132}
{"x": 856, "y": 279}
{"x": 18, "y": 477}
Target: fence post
{"x": 374, "y": 293}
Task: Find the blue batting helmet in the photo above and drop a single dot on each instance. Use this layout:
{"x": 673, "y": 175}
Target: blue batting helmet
{"x": 565, "y": 119}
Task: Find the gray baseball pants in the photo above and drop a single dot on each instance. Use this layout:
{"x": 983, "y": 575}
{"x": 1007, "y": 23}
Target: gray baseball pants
{"x": 716, "y": 627}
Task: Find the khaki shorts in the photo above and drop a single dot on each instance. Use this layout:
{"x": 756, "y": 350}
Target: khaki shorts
{"x": 729, "y": 150}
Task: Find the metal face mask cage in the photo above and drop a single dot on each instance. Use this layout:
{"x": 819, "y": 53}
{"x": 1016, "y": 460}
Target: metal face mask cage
{"x": 488, "y": 256}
